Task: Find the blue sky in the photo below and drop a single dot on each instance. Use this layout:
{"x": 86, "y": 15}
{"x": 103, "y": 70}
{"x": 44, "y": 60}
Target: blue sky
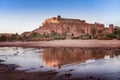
{"x": 26, "y": 15}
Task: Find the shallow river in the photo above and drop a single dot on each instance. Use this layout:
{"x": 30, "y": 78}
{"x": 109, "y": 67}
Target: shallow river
{"x": 100, "y": 63}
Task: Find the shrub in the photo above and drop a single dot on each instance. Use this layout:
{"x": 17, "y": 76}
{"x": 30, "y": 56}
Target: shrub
{"x": 102, "y": 38}
{"x": 3, "y": 38}
{"x": 111, "y": 36}
{"x": 85, "y": 36}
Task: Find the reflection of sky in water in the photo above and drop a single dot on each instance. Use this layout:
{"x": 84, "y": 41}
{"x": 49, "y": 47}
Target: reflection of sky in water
{"x": 27, "y": 58}
{"x": 32, "y": 59}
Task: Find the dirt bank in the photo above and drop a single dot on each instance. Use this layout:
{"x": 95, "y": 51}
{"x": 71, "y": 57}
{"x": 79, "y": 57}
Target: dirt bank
{"x": 66, "y": 43}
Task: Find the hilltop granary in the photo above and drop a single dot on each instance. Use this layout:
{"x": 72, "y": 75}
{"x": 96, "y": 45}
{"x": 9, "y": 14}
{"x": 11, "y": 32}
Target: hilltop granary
{"x": 75, "y": 27}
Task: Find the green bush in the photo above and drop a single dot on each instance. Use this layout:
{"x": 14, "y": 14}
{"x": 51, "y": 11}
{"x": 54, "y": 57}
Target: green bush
{"x": 76, "y": 37}
{"x": 85, "y": 36}
{"x": 102, "y": 38}
{"x": 56, "y": 36}
{"x": 111, "y": 36}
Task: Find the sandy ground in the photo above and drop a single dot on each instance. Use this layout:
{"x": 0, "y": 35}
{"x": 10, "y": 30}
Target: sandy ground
{"x": 66, "y": 43}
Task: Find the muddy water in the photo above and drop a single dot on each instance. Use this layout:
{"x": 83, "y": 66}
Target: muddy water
{"x": 99, "y": 63}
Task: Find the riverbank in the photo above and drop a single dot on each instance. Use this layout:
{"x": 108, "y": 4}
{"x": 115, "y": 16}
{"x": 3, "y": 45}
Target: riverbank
{"x": 12, "y": 74}
{"x": 66, "y": 43}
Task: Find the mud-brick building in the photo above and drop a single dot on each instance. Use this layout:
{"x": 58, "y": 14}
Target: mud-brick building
{"x": 76, "y": 27}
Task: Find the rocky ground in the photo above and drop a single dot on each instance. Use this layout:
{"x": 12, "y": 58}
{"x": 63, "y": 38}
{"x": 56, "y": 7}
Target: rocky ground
{"x": 8, "y": 72}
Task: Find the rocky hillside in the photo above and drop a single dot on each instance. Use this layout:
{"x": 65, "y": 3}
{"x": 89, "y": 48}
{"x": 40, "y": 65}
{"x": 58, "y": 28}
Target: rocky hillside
{"x": 70, "y": 28}
{"x": 73, "y": 27}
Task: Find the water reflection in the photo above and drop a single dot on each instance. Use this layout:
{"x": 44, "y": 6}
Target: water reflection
{"x": 57, "y": 57}
{"x": 100, "y": 63}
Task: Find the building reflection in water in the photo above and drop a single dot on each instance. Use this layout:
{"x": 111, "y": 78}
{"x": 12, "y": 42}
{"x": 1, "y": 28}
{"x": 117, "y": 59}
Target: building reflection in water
{"x": 56, "y": 57}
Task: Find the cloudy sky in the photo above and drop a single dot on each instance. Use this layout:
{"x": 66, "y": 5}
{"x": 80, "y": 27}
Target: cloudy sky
{"x": 26, "y": 15}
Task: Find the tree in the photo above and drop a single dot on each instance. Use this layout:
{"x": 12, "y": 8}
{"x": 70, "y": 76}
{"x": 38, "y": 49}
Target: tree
{"x": 12, "y": 37}
{"x": 32, "y": 35}
{"x": 111, "y": 36}
{"x": 24, "y": 38}
{"x": 3, "y": 38}
{"x": 93, "y": 32}
{"x": 116, "y": 31}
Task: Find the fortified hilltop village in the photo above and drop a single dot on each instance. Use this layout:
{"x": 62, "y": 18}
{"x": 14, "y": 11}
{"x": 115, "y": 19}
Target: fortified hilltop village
{"x": 65, "y": 28}
{"x": 75, "y": 27}
{"x": 72, "y": 28}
